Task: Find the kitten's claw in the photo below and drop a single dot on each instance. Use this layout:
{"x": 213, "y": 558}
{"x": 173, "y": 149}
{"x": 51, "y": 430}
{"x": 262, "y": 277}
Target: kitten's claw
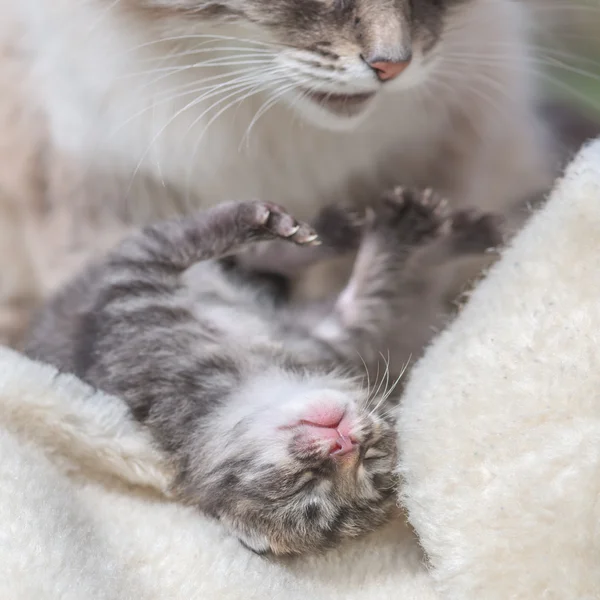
{"x": 277, "y": 221}
{"x": 476, "y": 232}
{"x": 341, "y": 227}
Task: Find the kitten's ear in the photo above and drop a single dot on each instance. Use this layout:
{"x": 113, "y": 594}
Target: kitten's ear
{"x": 259, "y": 550}
{"x": 251, "y": 540}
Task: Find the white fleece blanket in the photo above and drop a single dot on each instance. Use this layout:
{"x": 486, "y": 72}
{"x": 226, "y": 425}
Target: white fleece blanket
{"x": 500, "y": 431}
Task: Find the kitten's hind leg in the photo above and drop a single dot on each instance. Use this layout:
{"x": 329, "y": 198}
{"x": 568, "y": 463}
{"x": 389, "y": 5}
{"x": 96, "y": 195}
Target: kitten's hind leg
{"x": 389, "y": 302}
{"x": 372, "y": 300}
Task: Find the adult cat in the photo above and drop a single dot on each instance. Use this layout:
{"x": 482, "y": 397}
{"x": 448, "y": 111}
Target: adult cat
{"x": 118, "y": 112}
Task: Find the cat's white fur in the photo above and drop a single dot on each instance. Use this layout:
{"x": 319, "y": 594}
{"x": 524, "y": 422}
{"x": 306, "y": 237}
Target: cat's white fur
{"x": 88, "y": 76}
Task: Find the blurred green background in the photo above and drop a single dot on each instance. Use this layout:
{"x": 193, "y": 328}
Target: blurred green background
{"x": 569, "y": 49}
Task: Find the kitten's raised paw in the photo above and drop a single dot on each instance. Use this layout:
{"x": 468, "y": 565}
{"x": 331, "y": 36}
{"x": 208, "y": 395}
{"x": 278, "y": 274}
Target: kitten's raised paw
{"x": 474, "y": 232}
{"x": 279, "y": 223}
{"x": 340, "y": 227}
{"x": 414, "y": 215}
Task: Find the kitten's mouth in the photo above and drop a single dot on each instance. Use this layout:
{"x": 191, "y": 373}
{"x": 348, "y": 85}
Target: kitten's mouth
{"x": 341, "y": 104}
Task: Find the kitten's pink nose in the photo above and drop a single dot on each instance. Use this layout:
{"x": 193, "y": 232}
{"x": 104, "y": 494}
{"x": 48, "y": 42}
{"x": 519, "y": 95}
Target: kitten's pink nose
{"x": 331, "y": 425}
{"x": 343, "y": 445}
{"x": 386, "y": 70}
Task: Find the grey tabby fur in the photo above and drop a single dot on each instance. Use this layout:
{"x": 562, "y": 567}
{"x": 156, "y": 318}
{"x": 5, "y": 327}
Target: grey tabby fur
{"x": 263, "y": 407}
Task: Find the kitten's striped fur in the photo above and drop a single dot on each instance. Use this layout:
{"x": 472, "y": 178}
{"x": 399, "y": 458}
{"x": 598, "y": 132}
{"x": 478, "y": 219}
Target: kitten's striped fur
{"x": 262, "y": 407}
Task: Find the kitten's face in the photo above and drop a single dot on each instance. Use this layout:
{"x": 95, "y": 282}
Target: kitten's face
{"x": 330, "y": 59}
{"x": 304, "y": 469}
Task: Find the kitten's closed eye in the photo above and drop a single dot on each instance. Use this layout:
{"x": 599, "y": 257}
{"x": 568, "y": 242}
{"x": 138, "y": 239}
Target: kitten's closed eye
{"x": 373, "y": 453}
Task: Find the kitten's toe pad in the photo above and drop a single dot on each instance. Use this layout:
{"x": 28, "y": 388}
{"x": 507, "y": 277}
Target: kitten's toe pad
{"x": 276, "y": 221}
{"x": 476, "y": 232}
{"x": 414, "y": 215}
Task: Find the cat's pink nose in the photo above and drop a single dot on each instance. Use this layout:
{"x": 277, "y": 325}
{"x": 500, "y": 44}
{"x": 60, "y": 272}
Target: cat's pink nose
{"x": 343, "y": 445}
{"x": 386, "y": 70}
{"x": 333, "y": 426}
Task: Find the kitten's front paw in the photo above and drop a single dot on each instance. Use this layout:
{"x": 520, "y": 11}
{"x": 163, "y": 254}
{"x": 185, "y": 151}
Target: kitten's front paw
{"x": 341, "y": 227}
{"x": 272, "y": 219}
{"x": 413, "y": 215}
{"x": 475, "y": 232}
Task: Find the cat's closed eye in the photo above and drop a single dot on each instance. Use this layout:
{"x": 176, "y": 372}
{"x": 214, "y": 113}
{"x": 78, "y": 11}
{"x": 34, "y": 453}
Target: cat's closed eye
{"x": 306, "y": 478}
{"x": 373, "y": 453}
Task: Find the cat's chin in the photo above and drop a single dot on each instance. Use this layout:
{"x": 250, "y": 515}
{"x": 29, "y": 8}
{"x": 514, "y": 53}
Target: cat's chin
{"x": 333, "y": 113}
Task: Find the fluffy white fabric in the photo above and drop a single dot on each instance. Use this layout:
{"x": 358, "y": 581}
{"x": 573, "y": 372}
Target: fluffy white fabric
{"x": 500, "y": 430}
{"x": 500, "y": 425}
{"x": 83, "y": 515}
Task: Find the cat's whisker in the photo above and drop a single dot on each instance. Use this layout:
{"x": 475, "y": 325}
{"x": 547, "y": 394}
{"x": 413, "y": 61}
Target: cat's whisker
{"x": 545, "y": 60}
{"x": 366, "y": 373}
{"x": 543, "y": 73}
{"x": 209, "y": 37}
{"x": 203, "y": 80}
{"x": 225, "y": 61}
{"x": 103, "y": 13}
{"x": 398, "y": 379}
{"x": 214, "y": 50}
{"x": 252, "y": 92}
{"x": 385, "y": 377}
{"x": 370, "y": 399}
{"x": 219, "y": 87}
{"x": 179, "y": 112}
{"x": 266, "y": 106}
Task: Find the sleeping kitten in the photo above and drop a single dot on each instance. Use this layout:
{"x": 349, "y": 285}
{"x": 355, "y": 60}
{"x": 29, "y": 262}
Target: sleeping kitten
{"x": 131, "y": 111}
{"x": 262, "y": 408}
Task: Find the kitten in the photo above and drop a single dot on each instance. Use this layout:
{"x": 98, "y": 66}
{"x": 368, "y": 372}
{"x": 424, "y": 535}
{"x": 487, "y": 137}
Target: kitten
{"x": 131, "y": 111}
{"x": 261, "y": 407}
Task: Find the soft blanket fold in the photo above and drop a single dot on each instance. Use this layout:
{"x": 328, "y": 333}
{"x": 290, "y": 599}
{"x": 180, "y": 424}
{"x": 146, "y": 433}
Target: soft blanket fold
{"x": 500, "y": 437}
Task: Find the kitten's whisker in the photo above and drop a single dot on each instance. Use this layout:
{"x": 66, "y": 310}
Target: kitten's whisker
{"x": 399, "y": 378}
{"x": 369, "y": 400}
{"x": 385, "y": 378}
{"x": 366, "y": 372}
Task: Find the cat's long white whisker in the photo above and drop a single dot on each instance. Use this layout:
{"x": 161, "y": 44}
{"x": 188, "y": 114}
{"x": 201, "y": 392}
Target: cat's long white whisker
{"x": 218, "y": 77}
{"x": 366, "y": 372}
{"x": 385, "y": 377}
{"x": 371, "y": 399}
{"x": 207, "y": 89}
{"x": 219, "y": 112}
{"x": 399, "y": 378}
{"x": 545, "y": 60}
{"x": 197, "y": 37}
{"x": 220, "y": 62}
{"x": 213, "y": 50}
{"x": 189, "y": 105}
{"x": 263, "y": 109}
{"x": 388, "y": 393}
{"x": 224, "y": 88}
{"x": 103, "y": 13}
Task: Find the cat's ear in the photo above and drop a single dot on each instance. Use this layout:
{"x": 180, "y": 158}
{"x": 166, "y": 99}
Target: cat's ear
{"x": 251, "y": 540}
{"x": 259, "y": 550}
